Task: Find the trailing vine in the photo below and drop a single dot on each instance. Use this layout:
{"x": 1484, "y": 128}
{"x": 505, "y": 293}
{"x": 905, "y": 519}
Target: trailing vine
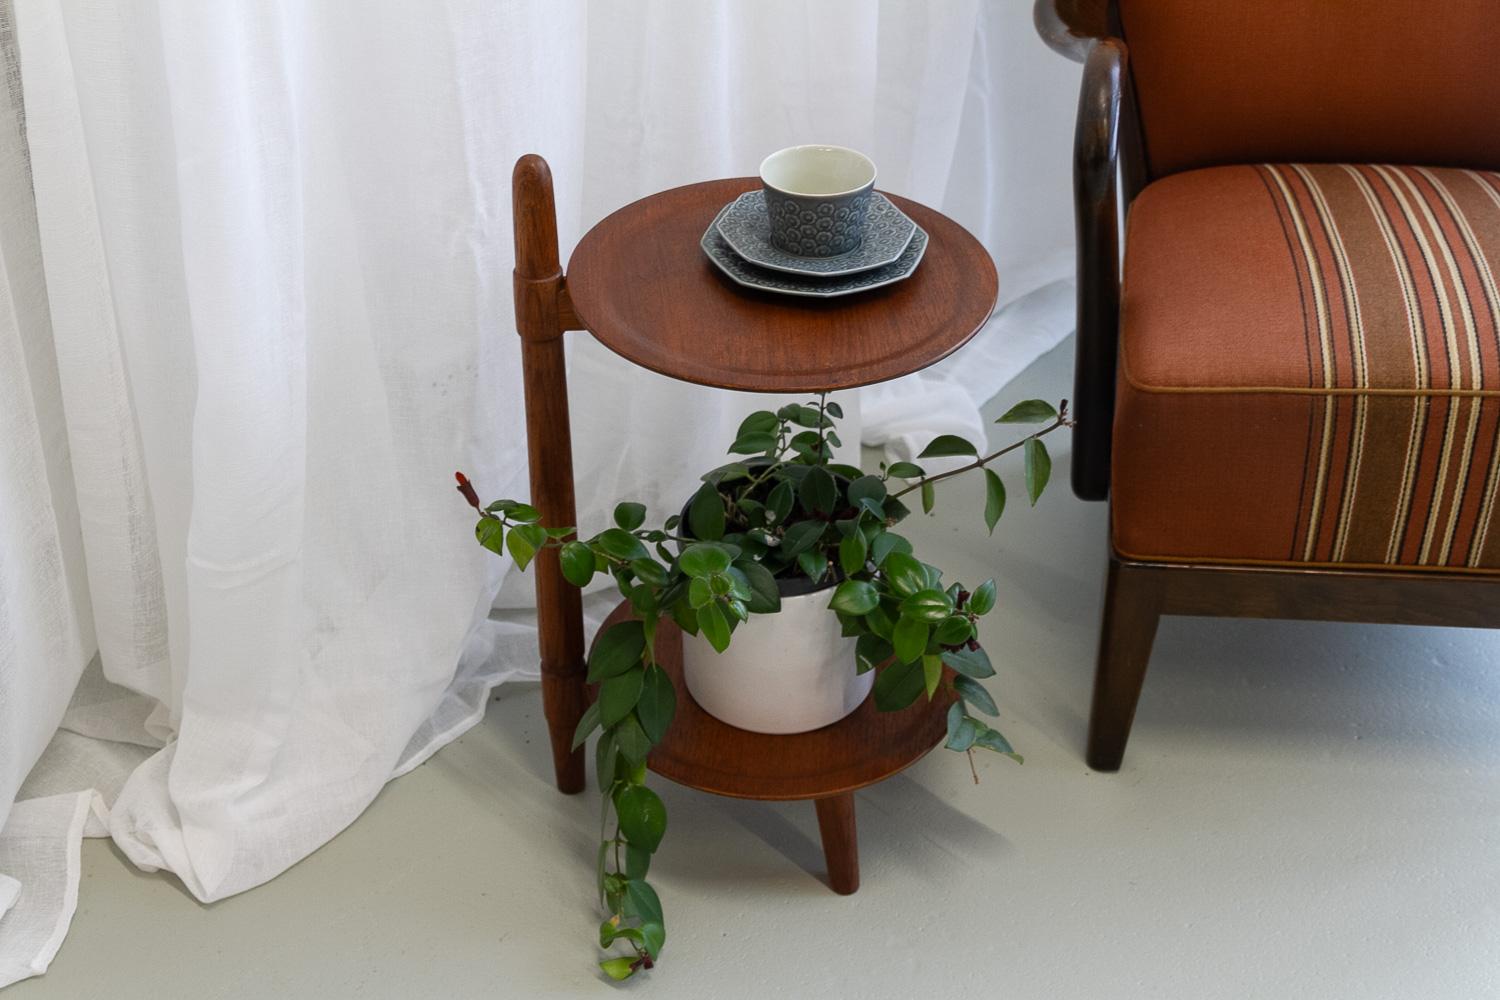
{"x": 781, "y": 510}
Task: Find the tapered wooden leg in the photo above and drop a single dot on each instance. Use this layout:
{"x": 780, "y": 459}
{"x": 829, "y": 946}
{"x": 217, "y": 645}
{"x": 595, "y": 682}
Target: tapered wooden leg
{"x": 1132, "y": 608}
{"x": 541, "y": 322}
{"x": 840, "y": 842}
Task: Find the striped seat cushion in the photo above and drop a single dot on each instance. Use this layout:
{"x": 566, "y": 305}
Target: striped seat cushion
{"x": 1310, "y": 368}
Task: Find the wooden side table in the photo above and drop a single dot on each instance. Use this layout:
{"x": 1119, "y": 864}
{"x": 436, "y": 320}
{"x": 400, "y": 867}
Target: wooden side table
{"x": 639, "y": 283}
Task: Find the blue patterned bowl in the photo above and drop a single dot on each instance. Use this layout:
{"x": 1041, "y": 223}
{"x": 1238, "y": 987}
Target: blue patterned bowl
{"x": 817, "y": 198}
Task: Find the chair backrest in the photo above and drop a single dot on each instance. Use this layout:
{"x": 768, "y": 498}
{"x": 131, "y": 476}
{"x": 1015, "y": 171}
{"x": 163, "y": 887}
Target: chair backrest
{"x": 1386, "y": 81}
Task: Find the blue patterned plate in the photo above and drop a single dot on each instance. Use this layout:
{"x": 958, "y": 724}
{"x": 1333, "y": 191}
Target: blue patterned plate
{"x": 747, "y": 229}
{"x": 741, "y": 273}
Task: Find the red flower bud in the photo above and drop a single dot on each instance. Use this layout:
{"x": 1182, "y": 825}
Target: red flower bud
{"x": 467, "y": 489}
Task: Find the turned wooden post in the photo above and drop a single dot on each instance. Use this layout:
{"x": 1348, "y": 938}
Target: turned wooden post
{"x": 840, "y": 842}
{"x": 543, "y": 315}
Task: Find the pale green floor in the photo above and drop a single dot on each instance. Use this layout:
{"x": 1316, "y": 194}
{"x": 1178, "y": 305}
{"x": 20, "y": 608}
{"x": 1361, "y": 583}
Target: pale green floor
{"x": 1305, "y": 811}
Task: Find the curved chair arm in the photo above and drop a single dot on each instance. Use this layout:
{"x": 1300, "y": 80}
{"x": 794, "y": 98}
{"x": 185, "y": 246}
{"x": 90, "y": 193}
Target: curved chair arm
{"x": 1096, "y": 197}
{"x": 1071, "y": 26}
{"x": 1079, "y": 29}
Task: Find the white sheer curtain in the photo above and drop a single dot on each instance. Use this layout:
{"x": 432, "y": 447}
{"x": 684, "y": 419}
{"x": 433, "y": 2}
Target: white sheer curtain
{"x": 255, "y": 310}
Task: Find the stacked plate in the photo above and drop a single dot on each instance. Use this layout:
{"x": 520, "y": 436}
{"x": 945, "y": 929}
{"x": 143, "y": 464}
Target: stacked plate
{"x": 739, "y": 244}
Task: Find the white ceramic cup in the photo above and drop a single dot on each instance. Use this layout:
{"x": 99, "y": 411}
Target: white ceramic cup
{"x": 817, "y": 198}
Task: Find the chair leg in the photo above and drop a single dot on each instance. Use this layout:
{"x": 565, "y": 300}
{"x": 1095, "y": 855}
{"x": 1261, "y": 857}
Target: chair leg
{"x": 840, "y": 842}
{"x": 1132, "y": 607}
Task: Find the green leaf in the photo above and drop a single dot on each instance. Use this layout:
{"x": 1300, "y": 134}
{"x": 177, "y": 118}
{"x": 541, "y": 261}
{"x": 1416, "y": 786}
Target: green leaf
{"x": 491, "y": 534}
{"x": 520, "y": 513}
{"x": 704, "y": 559}
{"x": 621, "y": 544}
{"x": 971, "y": 663}
{"x": 932, "y": 673}
{"x": 983, "y": 599}
{"x": 963, "y": 735}
{"x": 870, "y": 651}
{"x": 955, "y": 716}
{"x": 616, "y": 650}
{"x": 637, "y": 861}
{"x": 802, "y": 416}
{"x": 885, "y": 543}
{"x": 929, "y": 496}
{"x": 814, "y": 564}
{"x": 990, "y": 739}
{"x": 643, "y": 818}
{"x": 714, "y": 626}
{"x": 808, "y": 444}
{"x": 897, "y": 686}
{"x": 522, "y": 542}
{"x": 642, "y": 902}
{"x": 577, "y": 561}
{"x": 618, "y": 695}
{"x": 818, "y": 491}
{"x": 906, "y": 470}
{"x": 653, "y": 936}
{"x": 717, "y": 477}
{"x": 630, "y": 515}
{"x": 1029, "y": 411}
{"x": 801, "y": 536}
{"x": 855, "y": 597}
{"x": 1038, "y": 468}
{"x": 994, "y": 499}
{"x": 657, "y": 704}
{"x": 611, "y": 931}
{"x": 632, "y": 741}
{"x": 852, "y": 552}
{"x": 974, "y": 693}
{"x": 929, "y": 606}
{"x": 765, "y": 596}
{"x": 948, "y": 445}
{"x": 880, "y": 623}
{"x": 618, "y": 969}
{"x": 910, "y": 639}
{"x": 953, "y": 630}
{"x": 759, "y": 422}
{"x": 779, "y": 502}
{"x": 866, "y": 488}
{"x": 650, "y": 571}
{"x": 834, "y": 410}
{"x": 586, "y": 725}
{"x": 706, "y": 514}
{"x": 606, "y": 758}
{"x": 753, "y": 443}
{"x": 904, "y": 574}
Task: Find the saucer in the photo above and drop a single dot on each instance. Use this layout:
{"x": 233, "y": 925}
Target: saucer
{"x": 745, "y": 226}
{"x": 742, "y": 273}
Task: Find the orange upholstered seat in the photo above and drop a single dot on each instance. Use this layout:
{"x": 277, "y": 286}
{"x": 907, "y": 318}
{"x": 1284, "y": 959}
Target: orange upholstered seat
{"x": 1310, "y": 368}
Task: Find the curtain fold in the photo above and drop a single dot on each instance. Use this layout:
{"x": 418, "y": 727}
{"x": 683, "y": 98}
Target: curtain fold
{"x": 255, "y": 310}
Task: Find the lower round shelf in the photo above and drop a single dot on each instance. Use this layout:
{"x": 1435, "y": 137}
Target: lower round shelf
{"x": 868, "y": 746}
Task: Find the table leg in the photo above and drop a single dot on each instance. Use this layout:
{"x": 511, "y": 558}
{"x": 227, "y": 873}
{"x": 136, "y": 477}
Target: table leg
{"x": 549, "y": 444}
{"x": 840, "y": 842}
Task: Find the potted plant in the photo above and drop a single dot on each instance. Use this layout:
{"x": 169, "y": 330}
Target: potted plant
{"x": 759, "y": 556}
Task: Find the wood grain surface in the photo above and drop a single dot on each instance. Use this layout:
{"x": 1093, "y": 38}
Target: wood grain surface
{"x": 712, "y": 756}
{"x": 642, "y": 286}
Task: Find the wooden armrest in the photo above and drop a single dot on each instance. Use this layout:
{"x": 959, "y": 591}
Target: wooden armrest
{"x": 1072, "y": 26}
{"x": 1080, "y": 29}
{"x": 1096, "y": 197}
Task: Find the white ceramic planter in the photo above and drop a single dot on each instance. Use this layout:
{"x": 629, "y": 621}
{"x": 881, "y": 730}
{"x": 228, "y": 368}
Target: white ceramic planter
{"x": 790, "y": 672}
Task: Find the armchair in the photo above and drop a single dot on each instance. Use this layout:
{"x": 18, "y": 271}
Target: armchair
{"x": 1290, "y": 390}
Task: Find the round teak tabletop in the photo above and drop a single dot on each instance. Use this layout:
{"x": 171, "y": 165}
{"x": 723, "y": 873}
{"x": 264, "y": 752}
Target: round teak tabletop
{"x": 640, "y": 282}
